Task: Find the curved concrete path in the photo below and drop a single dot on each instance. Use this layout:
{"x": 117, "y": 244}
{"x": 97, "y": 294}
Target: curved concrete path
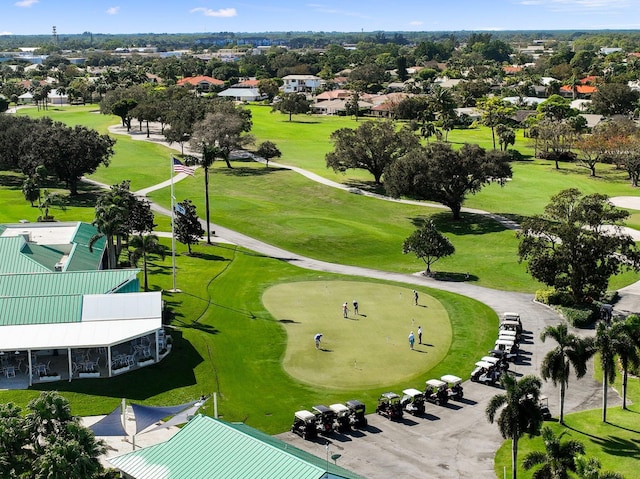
{"x": 449, "y": 442}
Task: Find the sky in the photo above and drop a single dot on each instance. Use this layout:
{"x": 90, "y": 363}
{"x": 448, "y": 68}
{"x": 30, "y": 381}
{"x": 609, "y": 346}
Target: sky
{"x": 23, "y": 17}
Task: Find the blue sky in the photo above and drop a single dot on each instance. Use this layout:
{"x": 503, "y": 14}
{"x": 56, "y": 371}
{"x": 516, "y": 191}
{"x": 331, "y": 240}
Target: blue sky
{"x": 22, "y": 17}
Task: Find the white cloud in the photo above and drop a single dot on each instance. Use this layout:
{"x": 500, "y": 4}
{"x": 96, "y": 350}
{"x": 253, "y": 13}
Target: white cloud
{"x": 320, "y": 8}
{"x": 208, "y": 12}
{"x": 26, "y": 3}
{"x": 5, "y": 33}
{"x": 580, "y": 6}
{"x": 113, "y": 10}
{"x": 416, "y": 23}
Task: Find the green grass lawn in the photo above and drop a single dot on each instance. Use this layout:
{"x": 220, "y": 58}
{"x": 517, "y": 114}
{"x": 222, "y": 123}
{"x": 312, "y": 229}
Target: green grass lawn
{"x": 363, "y": 347}
{"x": 226, "y": 341}
{"x": 615, "y": 442}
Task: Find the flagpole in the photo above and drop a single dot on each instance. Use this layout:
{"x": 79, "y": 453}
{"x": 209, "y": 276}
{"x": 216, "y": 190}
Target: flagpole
{"x": 173, "y": 232}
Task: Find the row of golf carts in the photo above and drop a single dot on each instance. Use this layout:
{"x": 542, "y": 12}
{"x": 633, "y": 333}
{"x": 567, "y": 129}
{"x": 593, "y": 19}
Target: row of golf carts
{"x": 325, "y": 420}
{"x": 437, "y": 391}
{"x": 490, "y": 367}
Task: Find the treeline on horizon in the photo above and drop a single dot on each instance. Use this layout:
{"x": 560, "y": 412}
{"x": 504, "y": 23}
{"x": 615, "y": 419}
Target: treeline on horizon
{"x": 590, "y": 39}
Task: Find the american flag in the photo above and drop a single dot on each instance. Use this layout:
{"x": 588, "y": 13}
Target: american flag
{"x": 180, "y": 167}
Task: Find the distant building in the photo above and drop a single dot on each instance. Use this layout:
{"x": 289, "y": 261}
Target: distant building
{"x": 301, "y": 83}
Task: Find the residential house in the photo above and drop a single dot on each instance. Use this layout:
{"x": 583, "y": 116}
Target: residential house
{"x": 201, "y": 82}
{"x": 301, "y": 83}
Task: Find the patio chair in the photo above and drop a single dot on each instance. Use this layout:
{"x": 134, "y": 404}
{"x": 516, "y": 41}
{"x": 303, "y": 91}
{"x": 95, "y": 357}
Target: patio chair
{"x": 10, "y": 372}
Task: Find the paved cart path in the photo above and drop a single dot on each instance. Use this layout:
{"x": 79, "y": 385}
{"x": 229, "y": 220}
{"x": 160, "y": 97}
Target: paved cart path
{"x": 449, "y": 442}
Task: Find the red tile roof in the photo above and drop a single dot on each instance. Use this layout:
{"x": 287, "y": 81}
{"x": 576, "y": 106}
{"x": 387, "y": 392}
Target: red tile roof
{"x": 200, "y": 79}
{"x": 582, "y": 89}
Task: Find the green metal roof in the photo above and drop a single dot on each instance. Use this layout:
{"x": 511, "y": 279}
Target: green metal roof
{"x": 208, "y": 447}
{"x": 40, "y": 310}
{"x": 57, "y": 284}
{"x": 81, "y": 258}
{"x": 46, "y": 255}
{"x": 11, "y": 259}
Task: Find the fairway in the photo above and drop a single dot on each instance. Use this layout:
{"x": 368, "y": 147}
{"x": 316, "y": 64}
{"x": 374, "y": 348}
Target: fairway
{"x": 370, "y": 349}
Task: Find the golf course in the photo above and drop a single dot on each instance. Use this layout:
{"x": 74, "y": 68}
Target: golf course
{"x": 244, "y": 322}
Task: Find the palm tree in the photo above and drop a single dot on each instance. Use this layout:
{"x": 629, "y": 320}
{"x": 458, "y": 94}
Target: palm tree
{"x": 558, "y": 458}
{"x": 143, "y": 246}
{"x": 428, "y": 129}
{"x": 520, "y": 414}
{"x": 108, "y": 221}
{"x": 571, "y": 351}
{"x": 626, "y": 349}
{"x": 604, "y": 344}
{"x": 590, "y": 469}
{"x": 209, "y": 154}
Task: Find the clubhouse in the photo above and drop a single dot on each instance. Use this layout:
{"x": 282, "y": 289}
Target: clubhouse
{"x": 62, "y": 316}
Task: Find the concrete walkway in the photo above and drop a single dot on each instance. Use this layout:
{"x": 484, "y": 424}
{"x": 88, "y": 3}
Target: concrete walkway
{"x": 449, "y": 442}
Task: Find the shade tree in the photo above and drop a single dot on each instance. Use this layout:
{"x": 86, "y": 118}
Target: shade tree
{"x": 373, "y": 146}
{"x": 440, "y": 173}
{"x": 558, "y": 458}
{"x": 571, "y": 247}
{"x": 188, "y": 229}
{"x": 428, "y": 244}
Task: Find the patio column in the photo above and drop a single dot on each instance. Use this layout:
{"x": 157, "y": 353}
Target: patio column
{"x": 157, "y": 345}
{"x": 109, "y": 359}
{"x": 30, "y": 365}
{"x": 70, "y": 363}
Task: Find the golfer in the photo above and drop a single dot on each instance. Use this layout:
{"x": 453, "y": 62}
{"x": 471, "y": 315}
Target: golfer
{"x": 419, "y": 334}
{"x": 345, "y": 310}
{"x": 316, "y": 338}
{"x": 412, "y": 339}
{"x": 415, "y": 297}
{"x": 355, "y": 307}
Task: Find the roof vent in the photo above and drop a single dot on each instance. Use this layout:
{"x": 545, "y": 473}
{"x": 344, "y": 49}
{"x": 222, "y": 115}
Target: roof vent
{"x": 58, "y": 267}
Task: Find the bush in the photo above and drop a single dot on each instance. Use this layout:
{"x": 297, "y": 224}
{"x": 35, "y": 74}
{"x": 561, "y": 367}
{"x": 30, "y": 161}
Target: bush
{"x": 552, "y": 297}
{"x": 580, "y": 316}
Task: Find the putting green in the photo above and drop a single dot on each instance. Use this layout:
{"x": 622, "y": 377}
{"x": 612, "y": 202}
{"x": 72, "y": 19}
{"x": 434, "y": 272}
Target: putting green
{"x": 366, "y": 350}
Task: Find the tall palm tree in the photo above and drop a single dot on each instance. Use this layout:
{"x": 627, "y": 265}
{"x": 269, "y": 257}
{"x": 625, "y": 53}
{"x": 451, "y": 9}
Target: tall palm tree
{"x": 108, "y": 221}
{"x": 557, "y": 459}
{"x": 590, "y": 469}
{"x": 627, "y": 351}
{"x": 143, "y": 245}
{"x": 604, "y": 344}
{"x": 519, "y": 411}
{"x": 209, "y": 154}
{"x": 571, "y": 351}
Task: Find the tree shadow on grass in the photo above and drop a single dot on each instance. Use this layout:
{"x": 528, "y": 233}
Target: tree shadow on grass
{"x": 248, "y": 172}
{"x": 173, "y": 372}
{"x": 368, "y": 186}
{"x": 454, "y": 277}
{"x": 11, "y": 180}
{"x": 468, "y": 224}
{"x": 208, "y": 256}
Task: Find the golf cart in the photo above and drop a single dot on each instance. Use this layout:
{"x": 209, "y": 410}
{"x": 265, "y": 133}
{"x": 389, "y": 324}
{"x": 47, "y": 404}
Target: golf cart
{"x": 503, "y": 355}
{"x": 325, "y": 418}
{"x": 454, "y": 386}
{"x": 357, "y": 411}
{"x": 485, "y": 372}
{"x": 436, "y": 392}
{"x": 304, "y": 424}
{"x": 508, "y": 346}
{"x": 389, "y": 406}
{"x": 500, "y": 363}
{"x": 509, "y": 336}
{"x": 343, "y": 417}
{"x": 513, "y": 317}
{"x": 543, "y": 402}
{"x": 509, "y": 325}
{"x": 413, "y": 401}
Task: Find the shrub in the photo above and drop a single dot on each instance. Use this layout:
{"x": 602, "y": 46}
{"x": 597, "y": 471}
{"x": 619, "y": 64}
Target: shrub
{"x": 552, "y": 297}
{"x": 580, "y": 316}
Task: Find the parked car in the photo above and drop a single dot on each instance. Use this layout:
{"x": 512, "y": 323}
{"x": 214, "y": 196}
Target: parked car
{"x": 413, "y": 401}
{"x": 389, "y": 406}
{"x": 325, "y": 418}
{"x": 304, "y": 424}
{"x": 343, "y": 417}
{"x": 454, "y": 386}
{"x": 357, "y": 411}
{"x": 436, "y": 392}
